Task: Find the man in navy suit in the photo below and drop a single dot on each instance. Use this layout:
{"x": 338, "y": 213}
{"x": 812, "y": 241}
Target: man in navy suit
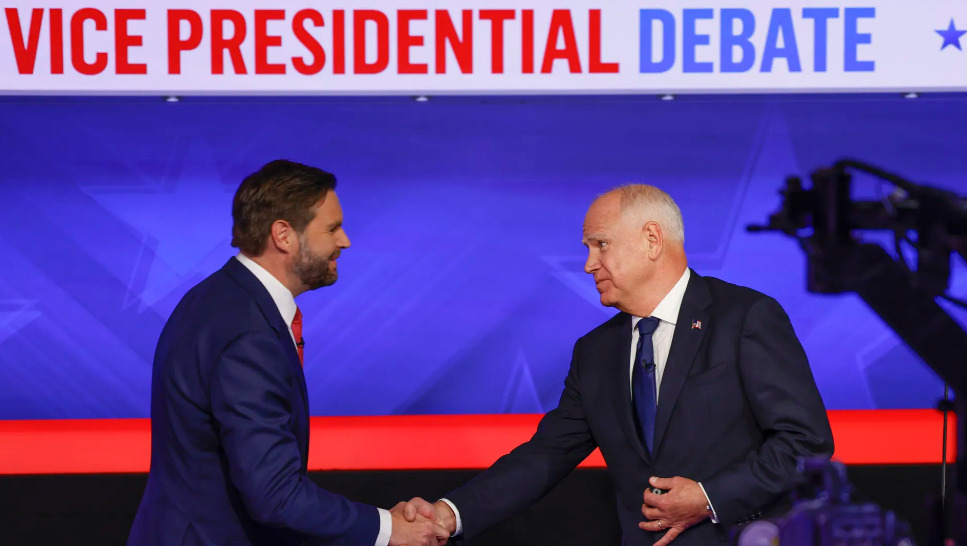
{"x": 697, "y": 388}
{"x": 229, "y": 412}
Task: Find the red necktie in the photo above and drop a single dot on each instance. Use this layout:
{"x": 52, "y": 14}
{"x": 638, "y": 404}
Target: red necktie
{"x": 297, "y": 333}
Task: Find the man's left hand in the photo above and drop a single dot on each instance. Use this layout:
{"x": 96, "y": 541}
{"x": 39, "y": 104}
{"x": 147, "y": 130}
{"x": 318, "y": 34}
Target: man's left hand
{"x": 683, "y": 505}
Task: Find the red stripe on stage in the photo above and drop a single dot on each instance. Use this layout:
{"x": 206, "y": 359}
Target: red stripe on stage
{"x": 91, "y": 446}
{"x": 892, "y": 436}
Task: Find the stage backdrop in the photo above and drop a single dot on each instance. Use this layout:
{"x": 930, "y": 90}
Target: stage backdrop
{"x": 464, "y": 290}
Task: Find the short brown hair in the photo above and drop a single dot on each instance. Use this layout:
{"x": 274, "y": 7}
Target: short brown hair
{"x": 280, "y": 190}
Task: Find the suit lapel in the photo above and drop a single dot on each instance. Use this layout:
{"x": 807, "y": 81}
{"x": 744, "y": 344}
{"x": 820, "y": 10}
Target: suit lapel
{"x": 270, "y": 311}
{"x": 685, "y": 344}
{"x": 618, "y": 359}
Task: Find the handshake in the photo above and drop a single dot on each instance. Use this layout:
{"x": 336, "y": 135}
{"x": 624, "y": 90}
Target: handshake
{"x": 419, "y": 523}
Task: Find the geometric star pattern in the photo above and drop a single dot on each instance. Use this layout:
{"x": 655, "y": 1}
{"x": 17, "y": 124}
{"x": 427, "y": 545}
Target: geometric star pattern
{"x": 464, "y": 289}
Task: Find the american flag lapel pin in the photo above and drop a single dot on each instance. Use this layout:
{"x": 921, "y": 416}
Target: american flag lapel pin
{"x": 696, "y": 325}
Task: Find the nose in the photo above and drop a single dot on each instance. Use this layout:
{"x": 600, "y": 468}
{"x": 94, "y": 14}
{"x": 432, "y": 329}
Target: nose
{"x": 592, "y": 264}
{"x": 343, "y": 240}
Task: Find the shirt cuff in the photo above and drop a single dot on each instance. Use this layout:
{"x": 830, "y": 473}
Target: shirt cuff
{"x": 714, "y": 517}
{"x": 385, "y": 527}
{"x": 456, "y": 514}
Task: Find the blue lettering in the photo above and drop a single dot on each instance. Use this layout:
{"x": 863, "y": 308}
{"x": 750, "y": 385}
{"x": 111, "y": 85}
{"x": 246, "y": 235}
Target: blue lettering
{"x": 820, "y": 17}
{"x": 742, "y": 40}
{"x": 852, "y": 39}
{"x": 740, "y": 51}
{"x": 646, "y": 19}
{"x": 690, "y": 39}
{"x": 781, "y": 24}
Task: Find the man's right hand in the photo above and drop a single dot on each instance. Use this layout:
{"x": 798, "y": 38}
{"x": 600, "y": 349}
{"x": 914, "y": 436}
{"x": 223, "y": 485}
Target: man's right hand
{"x": 444, "y": 516}
{"x": 415, "y": 529}
{"x": 440, "y": 512}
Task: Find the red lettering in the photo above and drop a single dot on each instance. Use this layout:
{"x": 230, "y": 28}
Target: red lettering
{"x": 233, "y": 45}
{"x": 57, "y": 41}
{"x": 405, "y": 40}
{"x": 175, "y": 43}
{"x": 25, "y": 51}
{"x": 561, "y": 25}
{"x": 263, "y": 41}
{"x": 595, "y": 66}
{"x": 462, "y": 48}
{"x": 338, "y": 42}
{"x": 77, "y": 41}
{"x": 123, "y": 40}
{"x": 310, "y": 43}
{"x": 527, "y": 42}
{"x": 497, "y": 18}
{"x": 360, "y": 18}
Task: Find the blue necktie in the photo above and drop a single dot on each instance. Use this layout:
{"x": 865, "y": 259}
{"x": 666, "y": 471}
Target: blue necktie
{"x": 643, "y": 381}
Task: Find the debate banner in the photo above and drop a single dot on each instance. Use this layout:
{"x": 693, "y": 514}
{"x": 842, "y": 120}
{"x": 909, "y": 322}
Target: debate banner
{"x": 467, "y": 47}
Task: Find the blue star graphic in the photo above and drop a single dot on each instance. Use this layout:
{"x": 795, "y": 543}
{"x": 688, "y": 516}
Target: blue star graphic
{"x": 951, "y": 36}
{"x": 14, "y": 315}
{"x": 179, "y": 217}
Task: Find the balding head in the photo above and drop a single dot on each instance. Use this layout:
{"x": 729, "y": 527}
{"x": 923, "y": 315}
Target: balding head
{"x": 642, "y": 203}
{"x": 634, "y": 236}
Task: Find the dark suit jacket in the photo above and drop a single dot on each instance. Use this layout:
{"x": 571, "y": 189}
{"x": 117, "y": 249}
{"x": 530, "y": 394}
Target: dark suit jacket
{"x": 230, "y": 430}
{"x": 737, "y": 405}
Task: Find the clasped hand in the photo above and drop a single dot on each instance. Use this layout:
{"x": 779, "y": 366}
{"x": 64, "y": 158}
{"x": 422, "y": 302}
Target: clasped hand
{"x": 419, "y": 523}
{"x": 682, "y": 505}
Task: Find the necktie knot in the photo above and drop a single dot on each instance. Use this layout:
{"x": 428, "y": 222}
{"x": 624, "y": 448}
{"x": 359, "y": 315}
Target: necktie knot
{"x": 648, "y": 325}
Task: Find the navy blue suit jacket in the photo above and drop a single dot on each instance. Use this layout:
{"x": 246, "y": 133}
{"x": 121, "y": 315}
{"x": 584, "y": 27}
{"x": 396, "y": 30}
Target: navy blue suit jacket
{"x": 230, "y": 430}
{"x": 737, "y": 405}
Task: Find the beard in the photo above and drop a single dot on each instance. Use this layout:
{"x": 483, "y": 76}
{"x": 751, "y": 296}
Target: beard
{"x": 312, "y": 269}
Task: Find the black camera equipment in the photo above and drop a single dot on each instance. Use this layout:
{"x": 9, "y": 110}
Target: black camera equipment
{"x": 926, "y": 221}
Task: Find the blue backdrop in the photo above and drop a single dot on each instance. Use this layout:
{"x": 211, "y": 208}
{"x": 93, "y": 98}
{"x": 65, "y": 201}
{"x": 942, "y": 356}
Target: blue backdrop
{"x": 464, "y": 289}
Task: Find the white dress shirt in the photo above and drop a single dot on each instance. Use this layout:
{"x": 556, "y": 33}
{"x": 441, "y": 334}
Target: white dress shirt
{"x": 286, "y": 303}
{"x": 667, "y": 313}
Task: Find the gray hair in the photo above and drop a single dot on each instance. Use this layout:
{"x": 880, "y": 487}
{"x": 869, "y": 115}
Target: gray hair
{"x": 643, "y": 203}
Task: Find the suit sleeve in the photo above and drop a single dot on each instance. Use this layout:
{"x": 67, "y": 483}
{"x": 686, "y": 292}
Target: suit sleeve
{"x": 251, "y": 403}
{"x": 782, "y": 394}
{"x": 518, "y": 479}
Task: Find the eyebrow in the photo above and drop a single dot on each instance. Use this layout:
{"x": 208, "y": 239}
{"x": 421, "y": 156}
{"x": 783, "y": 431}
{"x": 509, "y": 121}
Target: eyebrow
{"x": 334, "y": 225}
{"x": 592, "y": 237}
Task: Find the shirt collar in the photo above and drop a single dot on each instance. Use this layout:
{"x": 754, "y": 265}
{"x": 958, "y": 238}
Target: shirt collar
{"x": 280, "y": 294}
{"x": 668, "y": 308}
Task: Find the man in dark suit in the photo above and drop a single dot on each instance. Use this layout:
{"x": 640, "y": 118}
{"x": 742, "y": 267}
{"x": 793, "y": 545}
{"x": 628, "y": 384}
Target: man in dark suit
{"x": 229, "y": 412}
{"x": 697, "y": 388}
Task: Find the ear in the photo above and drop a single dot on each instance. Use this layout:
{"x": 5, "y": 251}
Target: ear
{"x": 653, "y": 238}
{"x": 283, "y": 237}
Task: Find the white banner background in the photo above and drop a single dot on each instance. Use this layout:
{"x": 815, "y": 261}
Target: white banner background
{"x": 904, "y": 50}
